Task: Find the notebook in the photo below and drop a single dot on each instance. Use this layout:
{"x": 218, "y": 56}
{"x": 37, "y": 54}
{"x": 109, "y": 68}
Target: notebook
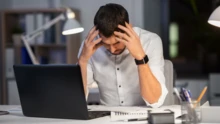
{"x": 123, "y": 116}
{"x": 140, "y": 115}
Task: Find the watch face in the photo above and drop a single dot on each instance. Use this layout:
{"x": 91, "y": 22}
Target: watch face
{"x": 143, "y": 61}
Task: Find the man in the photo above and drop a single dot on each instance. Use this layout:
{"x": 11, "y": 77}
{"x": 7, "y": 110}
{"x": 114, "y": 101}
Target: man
{"x": 115, "y": 56}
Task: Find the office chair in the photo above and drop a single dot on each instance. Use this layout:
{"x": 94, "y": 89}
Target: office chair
{"x": 213, "y": 89}
{"x": 169, "y": 74}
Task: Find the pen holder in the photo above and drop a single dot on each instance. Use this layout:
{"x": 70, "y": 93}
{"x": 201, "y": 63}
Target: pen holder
{"x": 191, "y": 113}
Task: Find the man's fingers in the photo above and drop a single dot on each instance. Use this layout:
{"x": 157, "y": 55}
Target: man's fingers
{"x": 91, "y": 32}
{"x": 121, "y": 40}
{"x": 93, "y": 35}
{"x": 129, "y": 26}
{"x": 122, "y": 35}
{"x": 98, "y": 45}
{"x": 125, "y": 29}
{"x": 97, "y": 41}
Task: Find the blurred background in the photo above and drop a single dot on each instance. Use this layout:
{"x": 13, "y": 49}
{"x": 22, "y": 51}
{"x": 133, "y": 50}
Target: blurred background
{"x": 188, "y": 40}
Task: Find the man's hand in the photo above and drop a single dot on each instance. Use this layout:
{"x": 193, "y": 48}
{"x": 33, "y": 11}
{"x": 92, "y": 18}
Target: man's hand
{"x": 131, "y": 40}
{"x": 90, "y": 45}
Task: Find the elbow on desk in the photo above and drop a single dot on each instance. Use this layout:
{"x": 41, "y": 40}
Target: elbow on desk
{"x": 156, "y": 102}
{"x": 153, "y": 98}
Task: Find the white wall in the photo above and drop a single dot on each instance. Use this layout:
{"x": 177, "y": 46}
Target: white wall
{"x": 152, "y": 16}
{"x": 29, "y": 4}
{"x": 88, "y": 9}
{"x": 18, "y": 4}
{"x": 5, "y": 4}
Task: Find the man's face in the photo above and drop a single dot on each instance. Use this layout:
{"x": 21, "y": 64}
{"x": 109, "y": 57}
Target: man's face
{"x": 112, "y": 45}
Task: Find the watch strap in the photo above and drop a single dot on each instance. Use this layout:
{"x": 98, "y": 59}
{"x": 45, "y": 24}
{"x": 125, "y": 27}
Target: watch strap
{"x": 142, "y": 61}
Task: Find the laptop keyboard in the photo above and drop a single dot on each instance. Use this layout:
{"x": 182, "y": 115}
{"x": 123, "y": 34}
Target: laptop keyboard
{"x": 98, "y": 114}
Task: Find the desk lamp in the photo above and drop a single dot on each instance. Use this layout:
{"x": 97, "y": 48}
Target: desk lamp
{"x": 214, "y": 19}
{"x": 71, "y": 26}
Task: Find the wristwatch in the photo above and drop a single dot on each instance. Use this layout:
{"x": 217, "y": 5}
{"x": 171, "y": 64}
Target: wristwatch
{"x": 142, "y": 61}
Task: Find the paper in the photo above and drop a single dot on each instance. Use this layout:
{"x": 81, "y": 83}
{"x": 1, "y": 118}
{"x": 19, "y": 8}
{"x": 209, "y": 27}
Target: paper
{"x": 15, "y": 109}
{"x": 206, "y": 104}
{"x": 131, "y": 112}
{"x": 123, "y": 116}
{"x": 118, "y": 108}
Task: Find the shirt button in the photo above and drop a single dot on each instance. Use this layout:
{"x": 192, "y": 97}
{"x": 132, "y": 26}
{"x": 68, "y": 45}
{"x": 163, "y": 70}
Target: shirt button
{"x": 119, "y": 86}
{"x": 122, "y": 102}
{"x": 117, "y": 68}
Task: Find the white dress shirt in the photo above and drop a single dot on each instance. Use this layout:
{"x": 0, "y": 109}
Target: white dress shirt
{"x": 117, "y": 75}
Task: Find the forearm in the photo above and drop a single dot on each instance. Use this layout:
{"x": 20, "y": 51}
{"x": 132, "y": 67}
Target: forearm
{"x": 90, "y": 45}
{"x": 150, "y": 87}
{"x": 83, "y": 67}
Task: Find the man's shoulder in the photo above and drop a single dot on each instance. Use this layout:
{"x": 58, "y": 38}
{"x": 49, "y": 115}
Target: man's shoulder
{"x": 145, "y": 33}
{"x": 146, "y": 36}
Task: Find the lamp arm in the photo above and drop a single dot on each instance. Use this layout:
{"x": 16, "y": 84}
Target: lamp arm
{"x": 54, "y": 21}
{"x": 30, "y": 52}
{"x": 39, "y": 31}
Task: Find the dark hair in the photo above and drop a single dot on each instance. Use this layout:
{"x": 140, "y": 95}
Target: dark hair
{"x": 108, "y": 17}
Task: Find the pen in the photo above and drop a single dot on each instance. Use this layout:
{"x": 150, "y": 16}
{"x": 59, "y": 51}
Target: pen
{"x": 202, "y": 94}
{"x": 188, "y": 98}
{"x": 182, "y": 97}
{"x": 190, "y": 93}
{"x": 183, "y": 94}
{"x": 177, "y": 94}
{"x": 186, "y": 94}
{"x": 136, "y": 119}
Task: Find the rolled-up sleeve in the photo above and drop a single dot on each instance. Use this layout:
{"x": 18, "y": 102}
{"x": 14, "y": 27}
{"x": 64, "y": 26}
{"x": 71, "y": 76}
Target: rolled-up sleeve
{"x": 154, "y": 50}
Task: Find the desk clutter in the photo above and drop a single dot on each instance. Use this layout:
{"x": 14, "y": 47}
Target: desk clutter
{"x": 132, "y": 113}
{"x": 167, "y": 114}
{"x": 209, "y": 114}
{"x": 152, "y": 117}
{"x": 185, "y": 95}
{"x": 190, "y": 109}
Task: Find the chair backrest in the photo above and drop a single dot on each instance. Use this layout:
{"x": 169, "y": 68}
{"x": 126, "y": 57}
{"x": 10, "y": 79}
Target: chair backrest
{"x": 169, "y": 81}
{"x": 213, "y": 89}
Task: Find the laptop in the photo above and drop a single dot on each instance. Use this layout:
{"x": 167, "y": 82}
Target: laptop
{"x": 53, "y": 91}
